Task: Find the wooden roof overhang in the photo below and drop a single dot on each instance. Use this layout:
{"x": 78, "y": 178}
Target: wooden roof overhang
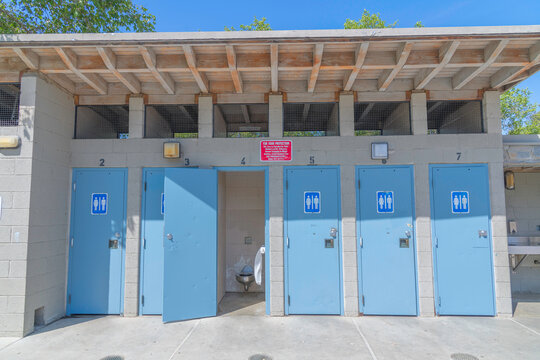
{"x": 312, "y": 63}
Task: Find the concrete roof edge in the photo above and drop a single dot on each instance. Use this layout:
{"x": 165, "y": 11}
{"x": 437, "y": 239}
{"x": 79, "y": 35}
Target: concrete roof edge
{"x": 521, "y": 139}
{"x": 277, "y": 36}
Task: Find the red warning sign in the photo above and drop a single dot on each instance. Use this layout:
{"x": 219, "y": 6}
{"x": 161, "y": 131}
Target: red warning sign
{"x": 276, "y": 150}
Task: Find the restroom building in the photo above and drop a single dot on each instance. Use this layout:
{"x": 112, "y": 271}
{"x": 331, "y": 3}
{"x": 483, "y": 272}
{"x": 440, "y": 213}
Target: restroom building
{"x": 141, "y": 173}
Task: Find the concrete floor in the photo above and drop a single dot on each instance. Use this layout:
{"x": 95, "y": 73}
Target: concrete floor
{"x": 293, "y": 337}
{"x": 242, "y": 304}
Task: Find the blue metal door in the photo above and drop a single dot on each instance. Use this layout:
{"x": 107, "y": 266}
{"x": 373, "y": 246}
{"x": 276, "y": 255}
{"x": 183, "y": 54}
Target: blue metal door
{"x": 462, "y": 240}
{"x": 313, "y": 261}
{"x": 190, "y": 244}
{"x": 386, "y": 255}
{"x": 98, "y": 213}
{"x": 152, "y": 243}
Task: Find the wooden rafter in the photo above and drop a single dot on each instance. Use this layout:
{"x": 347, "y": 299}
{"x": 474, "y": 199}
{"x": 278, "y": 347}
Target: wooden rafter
{"x": 70, "y": 60}
{"x": 445, "y": 54}
{"x": 508, "y": 74}
{"x": 360, "y": 56}
{"x": 129, "y": 80}
{"x": 317, "y": 59}
{"x": 274, "y": 60}
{"x": 192, "y": 64}
{"x": 491, "y": 52}
{"x": 402, "y": 54}
{"x": 245, "y": 113}
{"x": 30, "y": 58}
{"x": 150, "y": 60}
{"x": 235, "y": 74}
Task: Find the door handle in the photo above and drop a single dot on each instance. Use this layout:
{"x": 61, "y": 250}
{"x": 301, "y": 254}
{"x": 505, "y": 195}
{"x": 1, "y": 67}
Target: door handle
{"x": 333, "y": 232}
{"x": 169, "y": 237}
{"x": 482, "y": 233}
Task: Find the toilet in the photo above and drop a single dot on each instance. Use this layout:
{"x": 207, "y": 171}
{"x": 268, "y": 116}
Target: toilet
{"x": 246, "y": 277}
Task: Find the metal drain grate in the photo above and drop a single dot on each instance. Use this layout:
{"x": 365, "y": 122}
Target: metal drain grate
{"x": 113, "y": 357}
{"x": 260, "y": 357}
{"x": 463, "y": 356}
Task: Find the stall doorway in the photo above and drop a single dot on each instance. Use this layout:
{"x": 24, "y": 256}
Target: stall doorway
{"x": 241, "y": 233}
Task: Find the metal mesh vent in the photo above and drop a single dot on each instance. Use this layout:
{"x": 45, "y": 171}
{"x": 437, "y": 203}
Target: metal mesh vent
{"x": 382, "y": 118}
{"x": 102, "y": 122}
{"x": 172, "y": 121}
{"x": 454, "y": 117}
{"x": 9, "y": 104}
{"x": 240, "y": 120}
{"x": 310, "y": 119}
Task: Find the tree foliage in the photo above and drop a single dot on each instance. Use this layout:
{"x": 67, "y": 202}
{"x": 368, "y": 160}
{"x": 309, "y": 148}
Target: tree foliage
{"x": 73, "y": 16}
{"x": 519, "y": 114}
{"x": 256, "y": 25}
{"x": 372, "y": 21}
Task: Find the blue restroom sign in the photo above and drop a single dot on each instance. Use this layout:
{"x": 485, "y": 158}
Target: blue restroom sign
{"x": 385, "y": 202}
{"x": 162, "y": 203}
{"x": 460, "y": 202}
{"x": 99, "y": 204}
{"x": 312, "y": 202}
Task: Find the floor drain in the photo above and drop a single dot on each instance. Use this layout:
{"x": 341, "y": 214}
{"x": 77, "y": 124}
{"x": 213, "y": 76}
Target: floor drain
{"x": 113, "y": 357}
{"x": 462, "y": 356}
{"x": 260, "y": 357}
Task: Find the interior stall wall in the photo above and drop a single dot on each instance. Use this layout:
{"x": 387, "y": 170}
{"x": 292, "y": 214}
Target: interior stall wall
{"x": 222, "y": 231}
{"x": 91, "y": 125}
{"x": 245, "y": 218}
{"x": 399, "y": 121}
{"x": 156, "y": 125}
{"x": 523, "y": 207}
{"x": 333, "y": 122}
{"x": 220, "y": 126}
{"x": 462, "y": 120}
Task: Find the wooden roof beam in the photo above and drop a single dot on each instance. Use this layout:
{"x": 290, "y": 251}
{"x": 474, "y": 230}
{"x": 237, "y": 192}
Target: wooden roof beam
{"x": 445, "y": 55}
{"x": 164, "y": 79}
{"x": 402, "y": 54}
{"x": 491, "y": 52}
{"x": 508, "y": 74}
{"x": 129, "y": 80}
{"x": 360, "y": 56}
{"x": 235, "y": 74}
{"x": 192, "y": 64}
{"x": 274, "y": 61}
{"x": 317, "y": 59}
{"x": 245, "y": 113}
{"x": 30, "y": 58}
{"x": 70, "y": 60}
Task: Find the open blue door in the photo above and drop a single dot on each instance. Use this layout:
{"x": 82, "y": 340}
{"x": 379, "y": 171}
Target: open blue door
{"x": 190, "y": 244}
{"x": 462, "y": 240}
{"x": 386, "y": 251}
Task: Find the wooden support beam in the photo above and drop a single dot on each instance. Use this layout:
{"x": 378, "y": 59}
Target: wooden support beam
{"x": 235, "y": 74}
{"x": 401, "y": 58}
{"x": 184, "y": 111}
{"x": 30, "y": 58}
{"x": 64, "y": 82}
{"x": 305, "y": 113}
{"x": 245, "y": 113}
{"x": 129, "y": 80}
{"x": 317, "y": 59}
{"x": 150, "y": 60}
{"x": 360, "y": 56}
{"x": 445, "y": 54}
{"x": 192, "y": 64}
{"x": 491, "y": 52}
{"x": 274, "y": 61}
{"x": 506, "y": 75}
{"x": 70, "y": 59}
{"x": 366, "y": 111}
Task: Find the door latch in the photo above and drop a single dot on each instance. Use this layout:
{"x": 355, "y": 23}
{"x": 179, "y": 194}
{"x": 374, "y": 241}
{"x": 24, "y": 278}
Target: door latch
{"x": 113, "y": 244}
{"x": 328, "y": 243}
{"x": 169, "y": 237}
{"x": 482, "y": 233}
{"x": 333, "y": 232}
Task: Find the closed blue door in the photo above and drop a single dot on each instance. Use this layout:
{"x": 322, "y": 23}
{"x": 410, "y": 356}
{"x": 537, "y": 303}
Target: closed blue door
{"x": 190, "y": 244}
{"x": 152, "y": 243}
{"x": 312, "y": 217}
{"x": 98, "y": 216}
{"x": 462, "y": 240}
{"x": 386, "y": 256}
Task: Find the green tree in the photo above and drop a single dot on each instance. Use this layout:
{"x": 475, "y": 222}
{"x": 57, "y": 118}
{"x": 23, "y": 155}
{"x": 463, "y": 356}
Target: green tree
{"x": 372, "y": 21}
{"x": 519, "y": 115}
{"x": 256, "y": 25}
{"x": 73, "y": 16}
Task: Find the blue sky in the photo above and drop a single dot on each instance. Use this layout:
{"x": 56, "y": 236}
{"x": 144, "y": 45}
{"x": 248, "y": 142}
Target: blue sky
{"x": 315, "y": 14}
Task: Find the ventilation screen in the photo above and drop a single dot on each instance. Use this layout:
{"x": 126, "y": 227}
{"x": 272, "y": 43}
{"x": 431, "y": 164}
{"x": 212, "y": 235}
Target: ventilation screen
{"x": 172, "y": 121}
{"x": 382, "y": 118}
{"x": 240, "y": 120}
{"x": 9, "y": 104}
{"x": 102, "y": 122}
{"x": 454, "y": 117}
{"x": 310, "y": 119}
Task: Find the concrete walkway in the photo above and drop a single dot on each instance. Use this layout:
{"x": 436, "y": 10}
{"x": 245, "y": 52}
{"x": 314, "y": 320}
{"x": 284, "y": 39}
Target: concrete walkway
{"x": 293, "y": 337}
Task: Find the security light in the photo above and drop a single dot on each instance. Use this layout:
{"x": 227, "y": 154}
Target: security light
{"x": 171, "y": 150}
{"x": 509, "y": 180}
{"x": 379, "y": 151}
{"x": 9, "y": 142}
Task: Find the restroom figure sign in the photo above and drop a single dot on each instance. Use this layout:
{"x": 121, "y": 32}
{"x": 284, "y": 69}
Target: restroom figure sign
{"x": 99, "y": 204}
{"x": 460, "y": 202}
{"x": 385, "y": 202}
{"x": 312, "y": 202}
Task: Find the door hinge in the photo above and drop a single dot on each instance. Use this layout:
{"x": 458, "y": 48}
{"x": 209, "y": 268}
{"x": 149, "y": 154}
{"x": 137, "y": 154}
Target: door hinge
{"x": 74, "y": 186}
{"x": 69, "y": 299}
{"x": 142, "y": 300}
{"x": 144, "y": 243}
{"x": 359, "y": 184}
{"x": 439, "y": 300}
{"x": 71, "y": 242}
{"x": 288, "y": 242}
{"x": 361, "y": 241}
{"x": 287, "y": 184}
{"x": 289, "y": 299}
{"x": 145, "y": 185}
{"x": 436, "y": 242}
{"x": 363, "y": 301}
